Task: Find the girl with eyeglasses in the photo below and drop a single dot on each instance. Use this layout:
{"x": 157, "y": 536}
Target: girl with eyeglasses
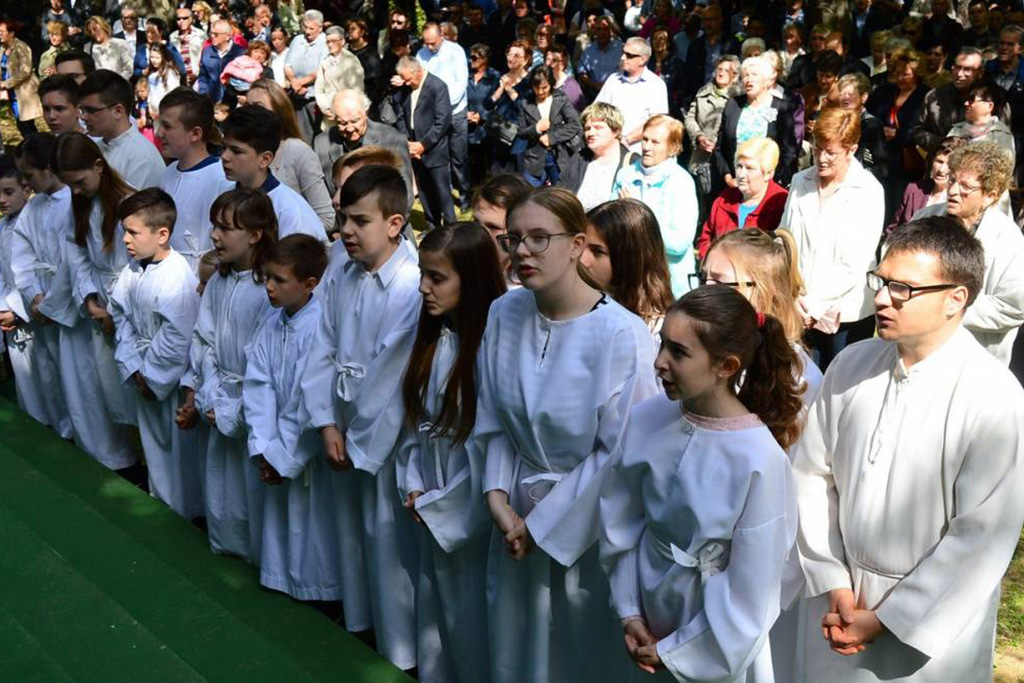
{"x": 560, "y": 367}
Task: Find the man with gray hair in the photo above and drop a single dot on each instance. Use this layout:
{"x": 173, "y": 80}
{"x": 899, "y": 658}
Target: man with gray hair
{"x": 300, "y": 68}
{"x": 354, "y": 129}
{"x": 424, "y": 113}
{"x": 638, "y": 92}
{"x": 214, "y": 58}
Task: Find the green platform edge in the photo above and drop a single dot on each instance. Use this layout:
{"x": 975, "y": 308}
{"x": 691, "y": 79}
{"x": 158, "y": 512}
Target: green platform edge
{"x": 100, "y": 582}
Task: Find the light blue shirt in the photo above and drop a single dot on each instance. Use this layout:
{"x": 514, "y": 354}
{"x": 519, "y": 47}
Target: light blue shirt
{"x": 304, "y": 57}
{"x": 450, "y": 65}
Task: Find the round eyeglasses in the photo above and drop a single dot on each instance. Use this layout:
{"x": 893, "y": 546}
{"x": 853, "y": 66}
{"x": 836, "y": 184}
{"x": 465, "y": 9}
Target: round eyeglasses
{"x": 536, "y": 242}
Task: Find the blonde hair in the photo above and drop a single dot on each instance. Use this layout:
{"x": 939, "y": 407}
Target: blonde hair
{"x": 98, "y": 21}
{"x": 602, "y": 111}
{"x": 57, "y": 28}
{"x": 837, "y": 125}
{"x": 991, "y": 163}
{"x": 674, "y": 128}
{"x": 764, "y": 151}
{"x": 771, "y": 264}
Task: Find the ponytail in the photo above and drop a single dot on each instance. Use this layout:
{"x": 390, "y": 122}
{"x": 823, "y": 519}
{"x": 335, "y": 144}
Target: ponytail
{"x": 727, "y": 325}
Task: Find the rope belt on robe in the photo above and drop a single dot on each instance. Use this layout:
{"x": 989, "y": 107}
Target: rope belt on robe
{"x": 426, "y": 428}
{"x": 540, "y": 484}
{"x": 711, "y": 559}
{"x": 346, "y": 373}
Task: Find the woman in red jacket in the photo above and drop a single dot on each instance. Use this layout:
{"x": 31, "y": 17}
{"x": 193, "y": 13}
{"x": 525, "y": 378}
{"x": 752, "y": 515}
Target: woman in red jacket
{"x": 757, "y": 201}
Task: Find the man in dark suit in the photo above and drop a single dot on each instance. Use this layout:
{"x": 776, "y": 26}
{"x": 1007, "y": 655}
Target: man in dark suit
{"x": 425, "y": 116}
{"x": 215, "y": 57}
{"x": 130, "y": 31}
{"x": 354, "y": 130}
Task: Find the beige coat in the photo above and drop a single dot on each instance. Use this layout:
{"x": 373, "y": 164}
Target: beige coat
{"x": 23, "y": 81}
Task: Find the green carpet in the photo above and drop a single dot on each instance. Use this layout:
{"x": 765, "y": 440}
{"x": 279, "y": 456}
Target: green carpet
{"x": 99, "y": 582}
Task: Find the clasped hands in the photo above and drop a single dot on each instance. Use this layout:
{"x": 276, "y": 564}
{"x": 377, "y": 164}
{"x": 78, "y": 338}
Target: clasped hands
{"x": 641, "y": 645}
{"x": 518, "y": 540}
{"x": 847, "y": 629}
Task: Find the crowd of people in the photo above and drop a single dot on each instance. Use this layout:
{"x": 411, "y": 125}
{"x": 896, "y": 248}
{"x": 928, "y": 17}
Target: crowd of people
{"x": 698, "y": 365}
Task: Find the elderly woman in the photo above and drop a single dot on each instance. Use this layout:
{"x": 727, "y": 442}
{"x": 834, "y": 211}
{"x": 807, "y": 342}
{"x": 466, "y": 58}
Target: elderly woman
{"x": 757, "y": 201}
{"x": 757, "y": 113}
{"x": 835, "y": 212}
{"x": 340, "y": 70}
{"x": 305, "y": 54}
{"x": 663, "y": 185}
{"x": 930, "y": 191}
{"x": 979, "y": 175}
{"x": 109, "y": 53}
{"x": 17, "y": 82}
{"x": 983, "y": 100}
{"x": 605, "y": 155}
{"x": 57, "y": 31}
{"x": 554, "y": 137}
{"x": 704, "y": 118}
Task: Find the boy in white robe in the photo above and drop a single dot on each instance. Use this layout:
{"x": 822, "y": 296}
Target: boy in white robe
{"x": 252, "y": 136}
{"x": 196, "y": 179}
{"x": 909, "y": 479}
{"x": 18, "y": 331}
{"x": 299, "y": 553}
{"x": 351, "y": 393}
{"x": 154, "y": 306}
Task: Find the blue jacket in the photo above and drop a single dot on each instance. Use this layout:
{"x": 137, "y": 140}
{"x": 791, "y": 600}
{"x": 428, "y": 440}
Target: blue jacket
{"x": 142, "y": 59}
{"x": 210, "y": 66}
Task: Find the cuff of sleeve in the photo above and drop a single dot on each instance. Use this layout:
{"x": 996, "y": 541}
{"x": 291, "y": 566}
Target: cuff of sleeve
{"x": 360, "y": 460}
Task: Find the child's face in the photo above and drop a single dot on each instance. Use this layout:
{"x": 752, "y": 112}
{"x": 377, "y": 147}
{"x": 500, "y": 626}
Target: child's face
{"x": 683, "y": 365}
{"x": 285, "y": 290}
{"x": 13, "y": 195}
{"x": 232, "y": 244}
{"x": 368, "y": 235}
{"x": 85, "y": 183}
{"x": 141, "y": 241}
{"x": 242, "y": 164}
{"x": 440, "y": 285}
{"x": 60, "y": 115}
{"x": 177, "y": 139}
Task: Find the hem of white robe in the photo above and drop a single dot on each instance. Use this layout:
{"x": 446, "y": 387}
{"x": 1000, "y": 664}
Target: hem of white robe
{"x": 299, "y": 592}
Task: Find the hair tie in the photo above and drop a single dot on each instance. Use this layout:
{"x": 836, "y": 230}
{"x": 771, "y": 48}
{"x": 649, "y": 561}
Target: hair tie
{"x": 760, "y": 319}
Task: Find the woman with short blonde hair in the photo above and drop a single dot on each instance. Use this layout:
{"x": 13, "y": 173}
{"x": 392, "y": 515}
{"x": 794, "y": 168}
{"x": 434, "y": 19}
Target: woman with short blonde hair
{"x": 109, "y": 53}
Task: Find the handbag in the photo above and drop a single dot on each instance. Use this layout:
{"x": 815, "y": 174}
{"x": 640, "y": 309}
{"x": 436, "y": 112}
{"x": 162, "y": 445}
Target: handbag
{"x": 501, "y": 130}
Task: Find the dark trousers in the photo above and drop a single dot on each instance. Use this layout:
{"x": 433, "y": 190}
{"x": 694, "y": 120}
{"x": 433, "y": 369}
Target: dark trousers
{"x": 458, "y": 148}
{"x": 435, "y": 186}
{"x": 825, "y": 347}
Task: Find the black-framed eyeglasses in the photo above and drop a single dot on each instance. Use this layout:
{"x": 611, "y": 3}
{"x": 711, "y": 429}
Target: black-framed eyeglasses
{"x": 536, "y": 242}
{"x": 900, "y": 291}
{"x": 92, "y": 111}
{"x": 182, "y": 18}
{"x": 700, "y": 280}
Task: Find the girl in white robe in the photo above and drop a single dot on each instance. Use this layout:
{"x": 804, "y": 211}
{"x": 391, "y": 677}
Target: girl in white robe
{"x": 299, "y": 551}
{"x": 233, "y": 306}
{"x": 155, "y": 309}
{"x": 97, "y": 255}
{"x": 561, "y": 366}
{"x": 460, "y": 277}
{"x": 352, "y": 394}
{"x": 699, "y": 514}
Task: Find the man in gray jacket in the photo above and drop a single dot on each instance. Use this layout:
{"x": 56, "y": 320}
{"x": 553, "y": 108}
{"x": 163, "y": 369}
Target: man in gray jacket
{"x": 354, "y": 129}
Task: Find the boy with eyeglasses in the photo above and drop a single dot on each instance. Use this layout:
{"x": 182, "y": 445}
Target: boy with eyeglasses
{"x": 908, "y": 477}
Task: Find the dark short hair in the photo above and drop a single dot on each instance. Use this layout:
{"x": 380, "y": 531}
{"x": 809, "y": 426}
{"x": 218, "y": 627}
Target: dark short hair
{"x": 960, "y": 254}
{"x": 36, "y": 150}
{"x": 987, "y": 89}
{"x": 254, "y": 126}
{"x": 828, "y": 62}
{"x": 65, "y": 84}
{"x": 154, "y": 206}
{"x": 542, "y": 74}
{"x": 502, "y": 190}
{"x": 385, "y": 181}
{"x": 304, "y": 254}
{"x": 9, "y": 169}
{"x": 111, "y": 88}
{"x": 195, "y": 111}
{"x": 88, "y": 63}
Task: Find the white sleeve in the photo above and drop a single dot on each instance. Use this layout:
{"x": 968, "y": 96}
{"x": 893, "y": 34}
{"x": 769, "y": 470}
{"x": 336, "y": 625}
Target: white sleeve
{"x": 1001, "y": 310}
{"x": 167, "y": 358}
{"x": 320, "y": 377}
{"x": 126, "y": 351}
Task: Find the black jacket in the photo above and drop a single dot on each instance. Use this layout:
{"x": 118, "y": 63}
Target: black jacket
{"x": 565, "y": 136}
{"x": 431, "y": 120}
{"x": 780, "y": 130}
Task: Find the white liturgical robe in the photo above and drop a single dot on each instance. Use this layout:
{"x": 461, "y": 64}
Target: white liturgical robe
{"x": 911, "y": 493}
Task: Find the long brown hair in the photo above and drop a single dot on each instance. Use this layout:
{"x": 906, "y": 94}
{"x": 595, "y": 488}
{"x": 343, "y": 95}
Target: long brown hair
{"x": 727, "y": 325}
{"x": 74, "y": 151}
{"x": 249, "y": 210}
{"x": 474, "y": 257}
{"x": 282, "y": 106}
{"x": 771, "y": 264}
{"x": 640, "y": 278}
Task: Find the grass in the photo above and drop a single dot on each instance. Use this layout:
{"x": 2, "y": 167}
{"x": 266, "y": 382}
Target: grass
{"x": 1010, "y": 629}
